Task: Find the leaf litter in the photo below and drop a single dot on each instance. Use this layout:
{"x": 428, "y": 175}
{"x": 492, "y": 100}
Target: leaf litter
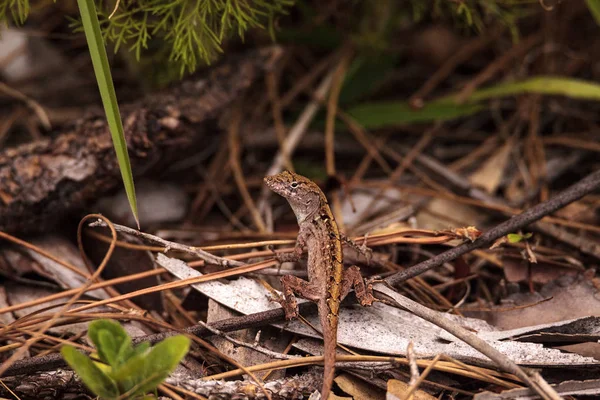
{"x": 384, "y": 329}
{"x": 489, "y": 130}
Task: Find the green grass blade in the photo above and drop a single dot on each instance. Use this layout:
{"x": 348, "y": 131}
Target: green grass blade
{"x": 548, "y": 85}
{"x": 91, "y": 27}
{"x": 375, "y": 115}
{"x": 594, "y": 7}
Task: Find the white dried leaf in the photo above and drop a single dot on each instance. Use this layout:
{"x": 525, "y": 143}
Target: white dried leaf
{"x": 379, "y": 328}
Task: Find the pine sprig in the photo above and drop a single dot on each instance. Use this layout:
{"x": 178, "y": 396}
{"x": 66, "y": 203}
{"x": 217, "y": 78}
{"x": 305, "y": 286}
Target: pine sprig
{"x": 193, "y": 30}
{"x": 17, "y": 10}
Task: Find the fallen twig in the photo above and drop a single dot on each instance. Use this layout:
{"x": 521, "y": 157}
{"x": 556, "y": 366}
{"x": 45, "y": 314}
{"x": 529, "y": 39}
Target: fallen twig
{"x": 168, "y": 245}
{"x": 585, "y": 186}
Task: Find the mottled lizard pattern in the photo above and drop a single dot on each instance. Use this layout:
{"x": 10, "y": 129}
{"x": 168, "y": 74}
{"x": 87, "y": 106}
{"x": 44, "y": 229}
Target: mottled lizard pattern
{"x": 327, "y": 283}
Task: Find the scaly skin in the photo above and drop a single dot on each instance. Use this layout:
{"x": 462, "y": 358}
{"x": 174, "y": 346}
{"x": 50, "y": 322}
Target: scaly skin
{"x": 320, "y": 235}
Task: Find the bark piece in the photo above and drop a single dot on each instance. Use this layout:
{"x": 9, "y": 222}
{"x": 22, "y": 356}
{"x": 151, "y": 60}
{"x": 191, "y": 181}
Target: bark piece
{"x": 43, "y": 181}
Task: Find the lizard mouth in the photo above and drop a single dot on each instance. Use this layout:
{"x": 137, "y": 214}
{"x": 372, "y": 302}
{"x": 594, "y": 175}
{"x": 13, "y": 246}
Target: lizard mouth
{"x": 271, "y": 183}
{"x": 268, "y": 181}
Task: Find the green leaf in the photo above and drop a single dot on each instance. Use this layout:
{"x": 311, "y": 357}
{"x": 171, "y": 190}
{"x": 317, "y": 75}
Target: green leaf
{"x": 90, "y": 374}
{"x": 112, "y": 342}
{"x": 514, "y": 237}
{"x": 131, "y": 374}
{"x": 141, "y": 348}
{"x": 144, "y": 372}
{"x": 548, "y": 85}
{"x": 594, "y": 7}
{"x": 91, "y": 27}
{"x": 383, "y": 114}
{"x": 518, "y": 237}
{"x": 162, "y": 360}
{"x": 107, "y": 347}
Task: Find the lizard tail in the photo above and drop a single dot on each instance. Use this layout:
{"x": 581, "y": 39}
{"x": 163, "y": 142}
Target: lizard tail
{"x": 330, "y": 344}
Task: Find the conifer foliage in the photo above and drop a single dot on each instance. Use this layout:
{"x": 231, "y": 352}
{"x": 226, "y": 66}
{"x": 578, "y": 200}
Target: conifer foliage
{"x": 192, "y": 30}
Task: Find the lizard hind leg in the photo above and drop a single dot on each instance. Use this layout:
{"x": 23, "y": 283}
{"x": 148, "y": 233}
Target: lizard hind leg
{"x": 293, "y": 285}
{"x": 352, "y": 279}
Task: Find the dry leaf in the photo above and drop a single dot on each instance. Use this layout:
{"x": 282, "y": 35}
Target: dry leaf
{"x": 588, "y": 349}
{"x": 517, "y": 270}
{"x": 358, "y": 389}
{"x": 269, "y": 337}
{"x": 458, "y": 214}
{"x": 577, "y": 211}
{"x": 567, "y": 388}
{"x": 490, "y": 174}
{"x": 64, "y": 250}
{"x": 397, "y": 389}
{"x": 19, "y": 294}
{"x": 565, "y": 298}
{"x": 379, "y": 328}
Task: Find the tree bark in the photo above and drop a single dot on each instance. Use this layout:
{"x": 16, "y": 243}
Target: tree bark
{"x": 44, "y": 181}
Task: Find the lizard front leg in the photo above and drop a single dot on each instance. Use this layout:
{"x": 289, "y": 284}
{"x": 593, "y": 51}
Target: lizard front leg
{"x": 352, "y": 279}
{"x": 293, "y": 285}
{"x": 298, "y": 249}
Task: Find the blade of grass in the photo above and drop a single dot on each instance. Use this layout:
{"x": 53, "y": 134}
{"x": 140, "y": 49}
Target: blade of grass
{"x": 549, "y": 85}
{"x": 594, "y": 7}
{"x": 375, "y": 115}
{"x": 381, "y": 114}
{"x": 91, "y": 27}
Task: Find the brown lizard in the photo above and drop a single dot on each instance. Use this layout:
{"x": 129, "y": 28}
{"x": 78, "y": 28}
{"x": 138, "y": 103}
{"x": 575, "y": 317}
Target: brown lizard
{"x": 328, "y": 283}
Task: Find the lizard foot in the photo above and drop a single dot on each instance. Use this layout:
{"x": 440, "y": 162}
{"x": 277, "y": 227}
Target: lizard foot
{"x": 289, "y": 305}
{"x": 362, "y": 289}
{"x": 366, "y": 299}
{"x": 378, "y": 279}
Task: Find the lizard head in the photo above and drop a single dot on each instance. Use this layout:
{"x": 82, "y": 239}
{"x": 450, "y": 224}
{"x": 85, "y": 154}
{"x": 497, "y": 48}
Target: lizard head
{"x": 304, "y": 195}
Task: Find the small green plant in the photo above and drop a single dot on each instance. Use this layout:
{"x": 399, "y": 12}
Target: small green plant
{"x": 518, "y": 237}
{"x": 124, "y": 371}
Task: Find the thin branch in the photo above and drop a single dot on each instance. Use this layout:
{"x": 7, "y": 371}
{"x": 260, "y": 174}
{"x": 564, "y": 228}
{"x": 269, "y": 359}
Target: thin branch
{"x": 168, "y": 245}
{"x": 463, "y": 54}
{"x": 34, "y": 105}
{"x": 497, "y": 65}
{"x": 585, "y": 186}
{"x": 236, "y": 168}
{"x": 253, "y": 346}
{"x": 470, "y": 338}
{"x": 276, "y": 110}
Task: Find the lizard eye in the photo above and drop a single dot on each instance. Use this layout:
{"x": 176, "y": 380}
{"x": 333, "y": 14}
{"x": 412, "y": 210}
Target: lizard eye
{"x": 294, "y": 185}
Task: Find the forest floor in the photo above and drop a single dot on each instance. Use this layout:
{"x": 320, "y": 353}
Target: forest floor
{"x": 467, "y": 161}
